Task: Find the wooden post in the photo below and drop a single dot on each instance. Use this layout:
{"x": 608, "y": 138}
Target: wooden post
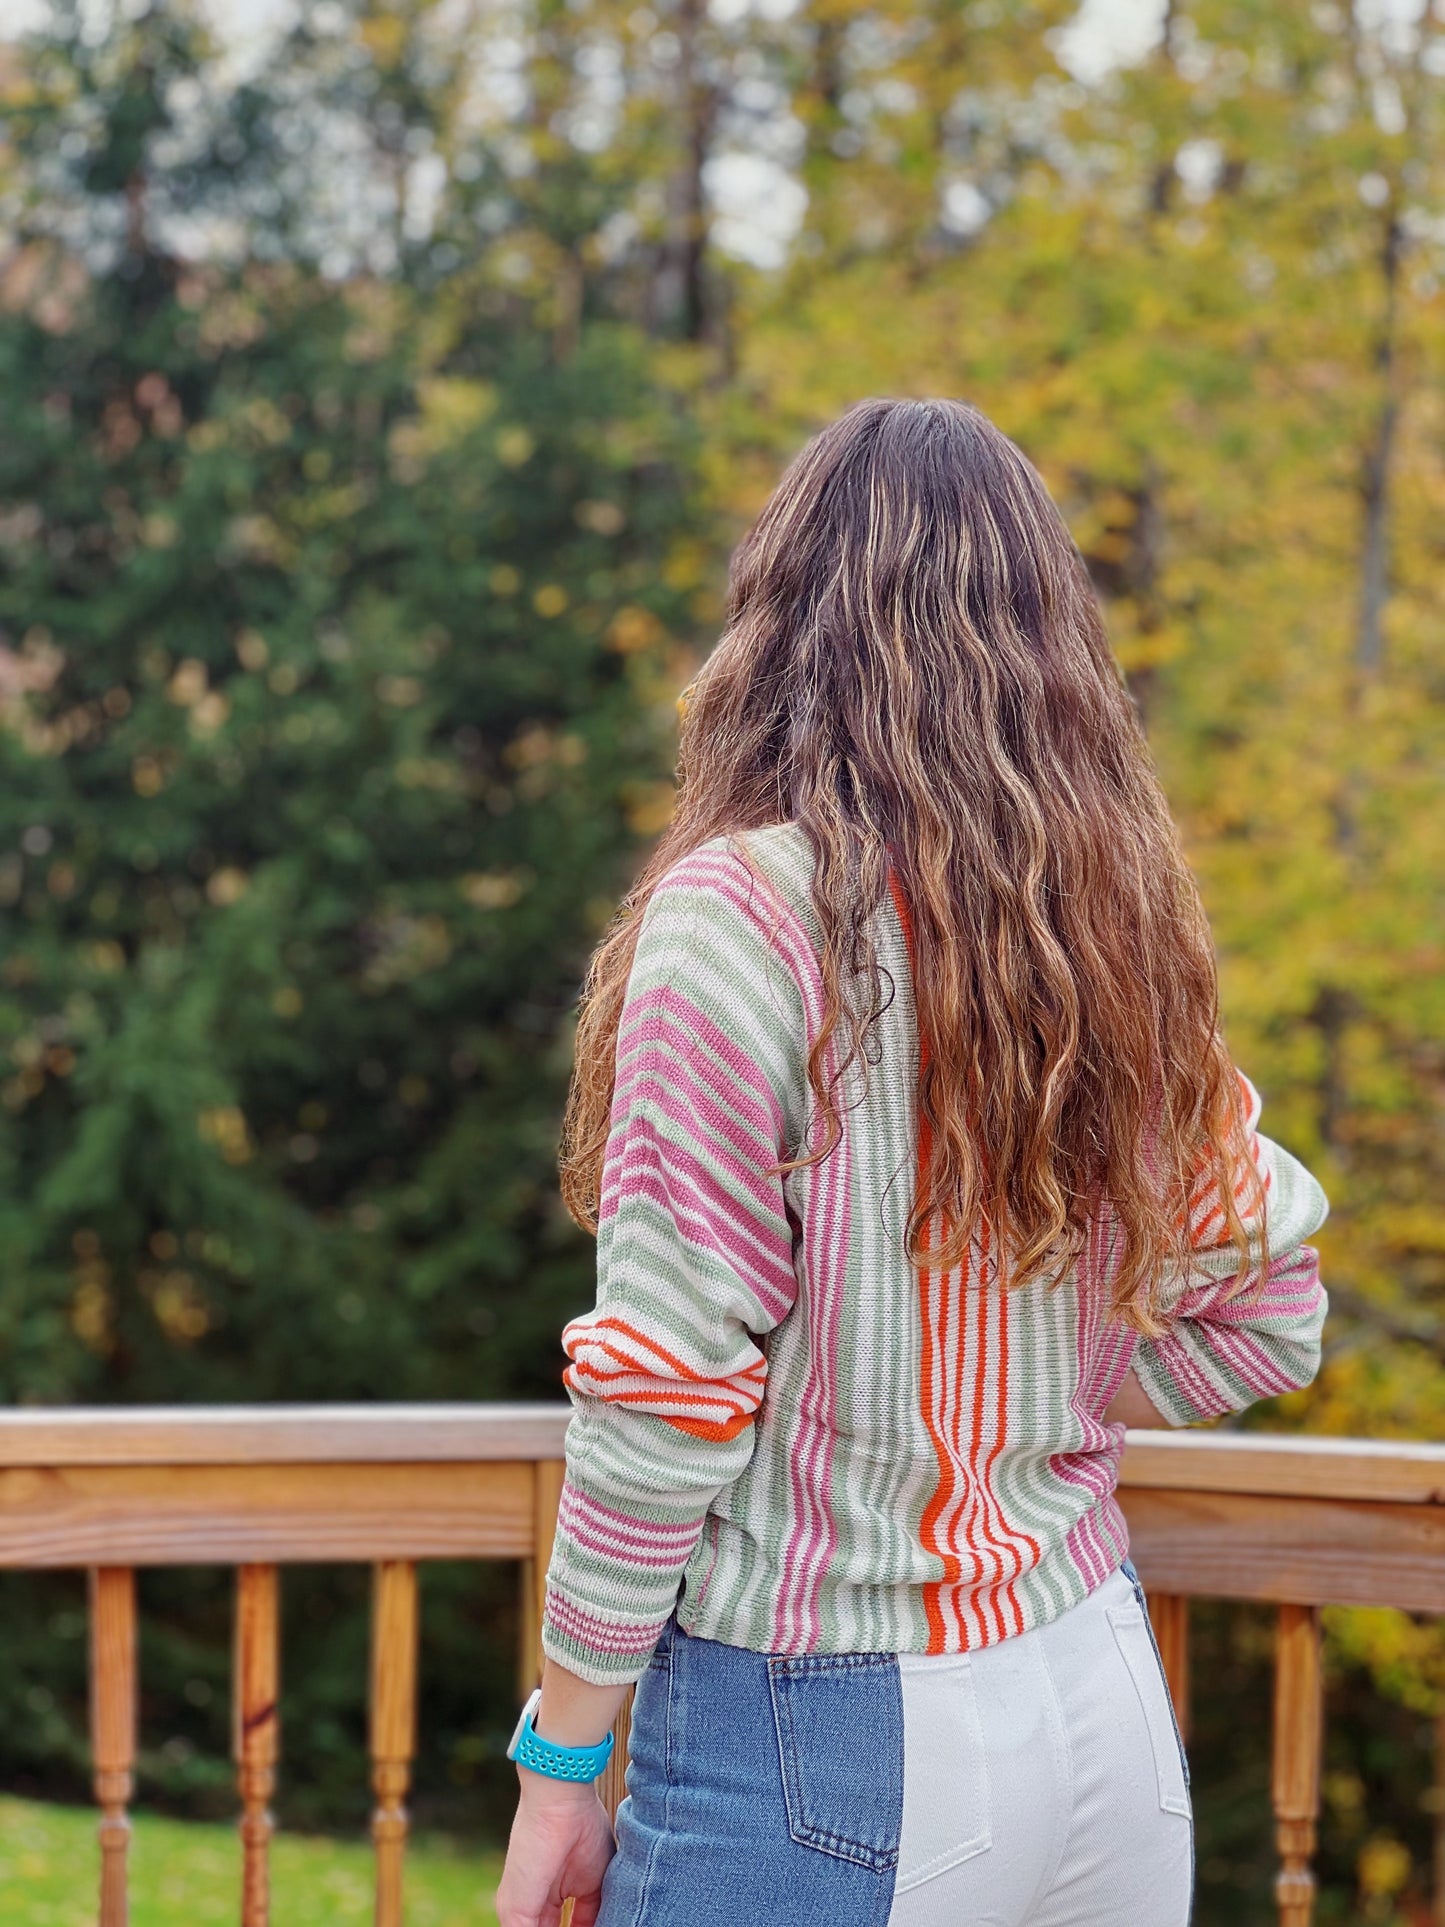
{"x": 614, "y": 1777}
{"x": 113, "y": 1727}
{"x": 1169, "y": 1615}
{"x": 548, "y": 1475}
{"x": 255, "y": 1690}
{"x": 1298, "y": 1739}
{"x": 393, "y": 1725}
{"x": 526, "y": 1628}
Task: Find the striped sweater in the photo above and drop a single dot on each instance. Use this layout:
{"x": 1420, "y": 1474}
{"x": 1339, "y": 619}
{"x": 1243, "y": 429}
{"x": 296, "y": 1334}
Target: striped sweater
{"x": 777, "y": 1415}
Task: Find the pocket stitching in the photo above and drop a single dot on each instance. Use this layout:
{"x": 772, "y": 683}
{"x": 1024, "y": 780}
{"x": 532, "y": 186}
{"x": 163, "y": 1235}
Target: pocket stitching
{"x": 941, "y": 1862}
{"x": 1170, "y": 1802}
{"x": 800, "y": 1829}
{"x": 980, "y": 1842}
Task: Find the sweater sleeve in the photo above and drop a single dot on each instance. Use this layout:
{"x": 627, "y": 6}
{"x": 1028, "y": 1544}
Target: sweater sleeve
{"x": 1222, "y": 1352}
{"x": 694, "y": 1261}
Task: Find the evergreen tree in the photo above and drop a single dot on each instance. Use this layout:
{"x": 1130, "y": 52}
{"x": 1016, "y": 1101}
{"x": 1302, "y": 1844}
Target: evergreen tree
{"x": 334, "y": 631}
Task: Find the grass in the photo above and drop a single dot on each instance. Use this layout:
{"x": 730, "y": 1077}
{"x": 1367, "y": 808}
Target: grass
{"x": 185, "y": 1874}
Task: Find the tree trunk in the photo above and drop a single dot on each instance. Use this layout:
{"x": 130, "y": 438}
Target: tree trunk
{"x": 1376, "y": 473}
{"x": 682, "y": 291}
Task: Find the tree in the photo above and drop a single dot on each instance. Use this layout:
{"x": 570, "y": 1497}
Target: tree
{"x": 334, "y": 627}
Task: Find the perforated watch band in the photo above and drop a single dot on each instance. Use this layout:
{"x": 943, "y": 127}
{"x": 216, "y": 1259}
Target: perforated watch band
{"x": 529, "y": 1749}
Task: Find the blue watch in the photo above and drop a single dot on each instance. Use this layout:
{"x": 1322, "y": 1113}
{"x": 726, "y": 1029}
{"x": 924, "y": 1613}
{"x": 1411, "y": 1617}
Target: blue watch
{"x": 529, "y": 1749}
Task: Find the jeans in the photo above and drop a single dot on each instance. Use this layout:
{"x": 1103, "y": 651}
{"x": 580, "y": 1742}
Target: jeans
{"x": 1036, "y": 1783}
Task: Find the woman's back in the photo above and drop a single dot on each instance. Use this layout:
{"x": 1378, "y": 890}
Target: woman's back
{"x": 837, "y": 1448}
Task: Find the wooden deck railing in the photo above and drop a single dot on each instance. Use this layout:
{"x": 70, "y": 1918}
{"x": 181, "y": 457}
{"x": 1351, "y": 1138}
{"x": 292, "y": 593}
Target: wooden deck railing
{"x": 1299, "y": 1522}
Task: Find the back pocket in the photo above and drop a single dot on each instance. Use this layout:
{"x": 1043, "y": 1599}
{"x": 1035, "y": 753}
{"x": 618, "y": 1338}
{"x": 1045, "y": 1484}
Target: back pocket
{"x": 947, "y": 1816}
{"x": 1141, "y": 1657}
{"x": 839, "y": 1719}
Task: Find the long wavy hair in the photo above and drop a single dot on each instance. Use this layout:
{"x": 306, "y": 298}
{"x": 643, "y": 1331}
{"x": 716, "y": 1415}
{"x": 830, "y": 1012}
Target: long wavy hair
{"x": 914, "y": 669}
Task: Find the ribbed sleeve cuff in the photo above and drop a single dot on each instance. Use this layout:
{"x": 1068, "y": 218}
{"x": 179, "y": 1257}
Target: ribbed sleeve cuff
{"x": 1164, "y": 1390}
{"x": 597, "y": 1647}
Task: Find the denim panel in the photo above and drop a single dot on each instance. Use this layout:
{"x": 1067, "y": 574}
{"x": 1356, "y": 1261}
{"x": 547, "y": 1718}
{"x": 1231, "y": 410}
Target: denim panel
{"x": 703, "y": 1837}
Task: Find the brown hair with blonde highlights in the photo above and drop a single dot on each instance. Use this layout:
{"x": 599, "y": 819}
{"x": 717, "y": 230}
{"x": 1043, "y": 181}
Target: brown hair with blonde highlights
{"x": 915, "y": 671}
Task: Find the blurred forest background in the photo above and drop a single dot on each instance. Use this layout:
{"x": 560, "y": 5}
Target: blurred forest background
{"x": 380, "y": 397}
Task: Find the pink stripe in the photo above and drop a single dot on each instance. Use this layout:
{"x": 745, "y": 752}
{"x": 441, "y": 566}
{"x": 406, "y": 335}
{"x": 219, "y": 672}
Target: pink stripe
{"x": 757, "y": 1264}
{"x": 1250, "y": 1362}
{"x": 812, "y": 1535}
{"x": 618, "y": 1547}
{"x": 1093, "y": 1465}
{"x": 575, "y": 1504}
{"x": 1191, "y": 1386}
{"x": 755, "y": 1155}
{"x": 828, "y": 1270}
{"x": 679, "y": 1111}
{"x": 1093, "y": 1468}
{"x": 663, "y": 1047}
{"x": 670, "y": 1017}
{"x": 601, "y": 1635}
{"x": 1087, "y": 1551}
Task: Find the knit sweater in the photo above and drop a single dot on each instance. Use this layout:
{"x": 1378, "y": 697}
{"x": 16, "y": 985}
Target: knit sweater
{"x": 782, "y": 1425}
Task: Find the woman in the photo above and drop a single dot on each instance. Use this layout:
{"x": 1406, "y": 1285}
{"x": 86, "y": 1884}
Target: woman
{"x": 917, "y": 1163}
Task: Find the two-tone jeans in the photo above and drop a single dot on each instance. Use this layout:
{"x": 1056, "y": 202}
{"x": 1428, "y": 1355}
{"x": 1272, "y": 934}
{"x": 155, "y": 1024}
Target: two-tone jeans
{"x": 1039, "y": 1782}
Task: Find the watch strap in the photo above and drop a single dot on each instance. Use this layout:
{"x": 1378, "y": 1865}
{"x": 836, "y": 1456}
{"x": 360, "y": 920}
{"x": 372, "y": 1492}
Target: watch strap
{"x": 556, "y": 1762}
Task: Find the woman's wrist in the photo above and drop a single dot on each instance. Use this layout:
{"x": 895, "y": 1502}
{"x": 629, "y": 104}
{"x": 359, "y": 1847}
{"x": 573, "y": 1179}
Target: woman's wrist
{"x": 541, "y": 1790}
{"x": 574, "y": 1711}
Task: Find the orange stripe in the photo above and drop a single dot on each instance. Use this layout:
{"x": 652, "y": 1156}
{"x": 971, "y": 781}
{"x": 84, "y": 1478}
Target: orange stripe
{"x": 700, "y": 1428}
{"x": 649, "y": 1395}
{"x": 980, "y": 1380}
{"x": 628, "y": 1368}
{"x": 928, "y": 1364}
{"x": 649, "y": 1390}
{"x": 706, "y": 1429}
{"x": 1015, "y": 1533}
{"x": 985, "y": 1511}
{"x": 683, "y": 1370}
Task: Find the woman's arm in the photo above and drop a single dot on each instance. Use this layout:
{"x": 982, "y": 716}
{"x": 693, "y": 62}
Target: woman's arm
{"x": 694, "y": 1262}
{"x": 1225, "y": 1348}
{"x": 1132, "y": 1405}
{"x": 561, "y": 1838}
{"x": 666, "y": 1374}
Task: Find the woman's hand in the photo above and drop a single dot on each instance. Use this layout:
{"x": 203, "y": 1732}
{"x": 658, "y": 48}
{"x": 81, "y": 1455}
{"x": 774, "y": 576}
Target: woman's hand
{"x": 561, "y": 1838}
{"x": 561, "y": 1843}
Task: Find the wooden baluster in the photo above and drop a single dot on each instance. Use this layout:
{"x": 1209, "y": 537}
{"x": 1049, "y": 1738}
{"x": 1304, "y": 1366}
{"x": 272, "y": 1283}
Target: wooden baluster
{"x": 113, "y": 1727}
{"x": 256, "y": 1732}
{"x": 1298, "y": 1739}
{"x": 1169, "y": 1615}
{"x": 1438, "y": 1810}
{"x": 393, "y": 1725}
{"x": 614, "y": 1781}
{"x": 548, "y": 1475}
{"x": 547, "y": 1491}
{"x": 527, "y": 1667}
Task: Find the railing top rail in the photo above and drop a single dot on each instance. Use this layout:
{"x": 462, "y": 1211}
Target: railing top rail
{"x": 1287, "y": 1465}
{"x": 1388, "y": 1470}
{"x": 279, "y": 1434}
